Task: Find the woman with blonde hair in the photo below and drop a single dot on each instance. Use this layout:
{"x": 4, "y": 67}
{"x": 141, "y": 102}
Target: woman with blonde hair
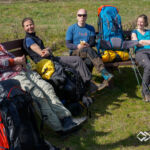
{"x": 142, "y": 52}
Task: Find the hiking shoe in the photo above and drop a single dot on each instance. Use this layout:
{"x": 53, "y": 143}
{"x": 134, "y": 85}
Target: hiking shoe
{"x": 106, "y": 75}
{"x": 87, "y": 101}
{"x": 79, "y": 121}
{"x": 93, "y": 87}
{"x": 103, "y": 85}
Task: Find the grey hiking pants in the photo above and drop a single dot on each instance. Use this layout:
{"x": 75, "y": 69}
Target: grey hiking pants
{"x": 43, "y": 93}
{"x": 77, "y": 63}
{"x": 91, "y": 55}
{"x": 143, "y": 59}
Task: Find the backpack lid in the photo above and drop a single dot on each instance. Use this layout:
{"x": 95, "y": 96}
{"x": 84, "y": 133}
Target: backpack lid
{"x": 101, "y": 7}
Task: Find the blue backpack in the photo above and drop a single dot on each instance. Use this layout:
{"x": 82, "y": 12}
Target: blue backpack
{"x": 110, "y": 35}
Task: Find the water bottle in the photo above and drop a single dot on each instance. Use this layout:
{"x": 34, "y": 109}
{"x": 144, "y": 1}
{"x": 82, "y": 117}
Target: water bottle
{"x": 28, "y": 66}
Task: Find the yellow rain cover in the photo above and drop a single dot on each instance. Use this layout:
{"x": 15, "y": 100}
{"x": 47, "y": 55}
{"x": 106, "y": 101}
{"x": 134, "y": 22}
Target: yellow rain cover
{"x": 123, "y": 55}
{"x": 108, "y": 56}
{"x": 45, "y": 68}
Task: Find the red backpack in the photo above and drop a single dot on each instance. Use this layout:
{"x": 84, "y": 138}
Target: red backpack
{"x": 3, "y": 137}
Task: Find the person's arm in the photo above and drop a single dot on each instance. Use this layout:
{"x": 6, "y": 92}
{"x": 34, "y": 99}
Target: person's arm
{"x": 69, "y": 40}
{"x": 92, "y": 41}
{"x": 70, "y": 45}
{"x": 36, "y": 48}
{"x": 144, "y": 42}
{"x": 5, "y": 63}
{"x": 134, "y": 37}
{"x": 92, "y": 37}
{"x": 15, "y": 63}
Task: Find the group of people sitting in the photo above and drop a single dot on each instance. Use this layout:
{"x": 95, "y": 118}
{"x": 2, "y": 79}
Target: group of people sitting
{"x": 80, "y": 38}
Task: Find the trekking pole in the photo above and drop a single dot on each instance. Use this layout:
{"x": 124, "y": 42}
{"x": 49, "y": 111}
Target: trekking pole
{"x": 134, "y": 68}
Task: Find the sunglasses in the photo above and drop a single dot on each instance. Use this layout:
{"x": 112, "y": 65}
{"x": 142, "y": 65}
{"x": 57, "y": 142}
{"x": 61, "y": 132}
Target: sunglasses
{"x": 82, "y": 15}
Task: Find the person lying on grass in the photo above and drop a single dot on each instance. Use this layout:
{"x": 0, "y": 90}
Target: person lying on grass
{"x": 58, "y": 117}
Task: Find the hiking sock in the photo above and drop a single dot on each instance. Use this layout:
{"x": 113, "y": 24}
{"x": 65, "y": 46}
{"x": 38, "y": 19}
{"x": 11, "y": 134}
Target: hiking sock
{"x": 106, "y": 75}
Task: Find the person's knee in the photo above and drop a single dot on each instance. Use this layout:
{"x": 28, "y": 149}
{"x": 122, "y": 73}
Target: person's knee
{"x": 78, "y": 59}
{"x": 91, "y": 52}
{"x": 147, "y": 69}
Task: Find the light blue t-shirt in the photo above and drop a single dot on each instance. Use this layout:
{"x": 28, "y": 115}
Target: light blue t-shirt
{"x": 29, "y": 42}
{"x": 146, "y": 36}
{"x": 75, "y": 33}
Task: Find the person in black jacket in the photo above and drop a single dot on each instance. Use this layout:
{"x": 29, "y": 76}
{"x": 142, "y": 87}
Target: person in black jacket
{"x": 37, "y": 51}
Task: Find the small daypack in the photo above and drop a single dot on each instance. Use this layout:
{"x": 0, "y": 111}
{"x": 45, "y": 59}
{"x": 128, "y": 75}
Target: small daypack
{"x": 74, "y": 88}
{"x": 18, "y": 126}
{"x": 110, "y": 34}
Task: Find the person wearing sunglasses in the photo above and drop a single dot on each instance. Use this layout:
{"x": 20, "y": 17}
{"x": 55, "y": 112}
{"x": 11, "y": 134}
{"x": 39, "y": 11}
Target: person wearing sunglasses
{"x": 80, "y": 38}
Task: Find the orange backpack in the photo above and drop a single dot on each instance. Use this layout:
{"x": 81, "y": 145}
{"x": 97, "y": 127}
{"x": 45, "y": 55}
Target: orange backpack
{"x": 3, "y": 137}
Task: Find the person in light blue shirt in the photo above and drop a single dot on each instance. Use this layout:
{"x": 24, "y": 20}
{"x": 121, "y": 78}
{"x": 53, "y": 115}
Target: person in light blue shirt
{"x": 75, "y": 33}
{"x": 80, "y": 38}
{"x": 142, "y": 52}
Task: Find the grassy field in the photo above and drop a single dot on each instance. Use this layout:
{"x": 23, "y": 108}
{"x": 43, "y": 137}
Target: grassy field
{"x": 118, "y": 113}
{"x": 53, "y": 18}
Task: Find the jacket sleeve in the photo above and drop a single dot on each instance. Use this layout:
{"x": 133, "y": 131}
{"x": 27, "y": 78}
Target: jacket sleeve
{"x": 6, "y": 63}
{"x": 70, "y": 45}
{"x": 6, "y": 58}
{"x": 92, "y": 41}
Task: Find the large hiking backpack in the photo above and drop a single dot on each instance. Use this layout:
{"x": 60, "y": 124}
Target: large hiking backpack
{"x": 110, "y": 34}
{"x": 18, "y": 125}
{"x": 109, "y": 27}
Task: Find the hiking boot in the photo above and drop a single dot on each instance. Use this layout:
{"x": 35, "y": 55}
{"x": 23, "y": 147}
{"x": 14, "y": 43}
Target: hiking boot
{"x": 106, "y": 75}
{"x": 70, "y": 125}
{"x": 79, "y": 121}
{"x": 92, "y": 87}
{"x": 103, "y": 85}
{"x": 87, "y": 101}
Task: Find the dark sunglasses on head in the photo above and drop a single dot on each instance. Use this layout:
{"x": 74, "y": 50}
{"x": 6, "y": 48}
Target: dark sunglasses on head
{"x": 82, "y": 15}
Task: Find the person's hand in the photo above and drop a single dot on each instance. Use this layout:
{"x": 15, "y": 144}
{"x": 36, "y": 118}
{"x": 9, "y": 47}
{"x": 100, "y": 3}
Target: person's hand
{"x": 82, "y": 45}
{"x": 20, "y": 60}
{"x": 141, "y": 43}
{"x": 45, "y": 53}
{"x": 87, "y": 45}
{"x": 17, "y": 68}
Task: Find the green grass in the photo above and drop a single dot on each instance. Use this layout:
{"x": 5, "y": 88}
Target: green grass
{"x": 53, "y": 18}
{"x": 118, "y": 113}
